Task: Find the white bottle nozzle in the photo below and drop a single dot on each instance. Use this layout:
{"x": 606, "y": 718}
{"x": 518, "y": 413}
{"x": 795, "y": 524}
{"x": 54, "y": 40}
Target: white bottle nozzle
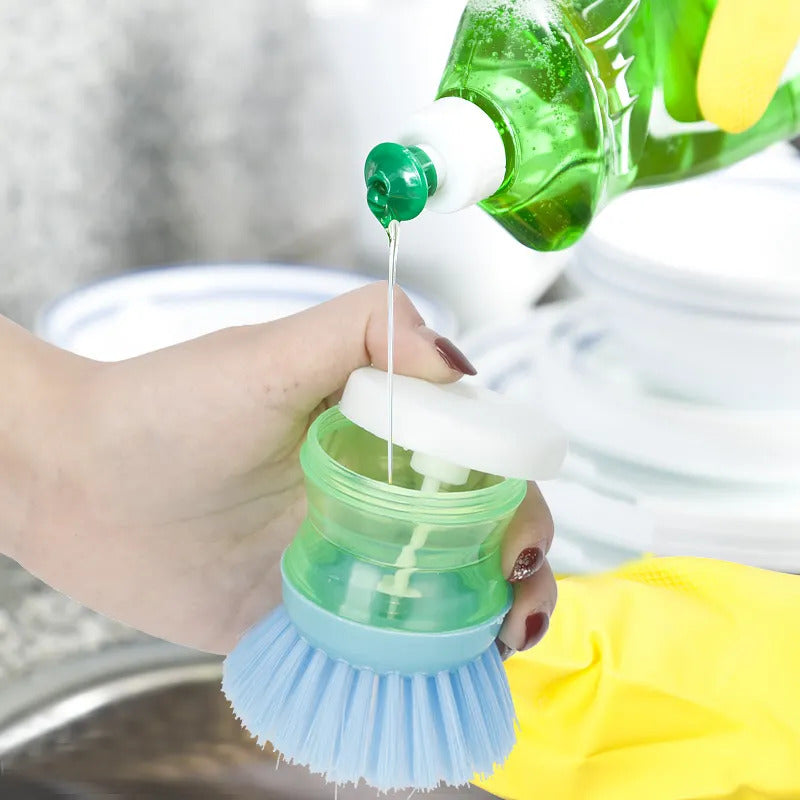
{"x": 438, "y": 470}
{"x": 466, "y": 149}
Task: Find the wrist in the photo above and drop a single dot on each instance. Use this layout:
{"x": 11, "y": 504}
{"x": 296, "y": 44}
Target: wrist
{"x": 42, "y": 385}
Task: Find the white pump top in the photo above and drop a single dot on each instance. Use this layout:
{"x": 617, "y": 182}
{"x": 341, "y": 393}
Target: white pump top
{"x": 457, "y": 425}
{"x": 465, "y": 147}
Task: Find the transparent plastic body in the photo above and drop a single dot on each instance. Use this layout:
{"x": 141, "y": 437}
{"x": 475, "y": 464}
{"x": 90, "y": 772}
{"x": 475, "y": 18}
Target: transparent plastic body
{"x": 358, "y": 529}
{"x": 591, "y": 98}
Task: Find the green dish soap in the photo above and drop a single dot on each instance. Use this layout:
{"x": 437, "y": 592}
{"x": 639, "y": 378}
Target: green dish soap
{"x": 550, "y": 108}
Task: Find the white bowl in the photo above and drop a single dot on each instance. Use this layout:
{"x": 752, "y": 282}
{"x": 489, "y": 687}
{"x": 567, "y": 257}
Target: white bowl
{"x": 143, "y": 311}
{"x": 712, "y": 244}
{"x": 700, "y": 284}
{"x": 721, "y": 358}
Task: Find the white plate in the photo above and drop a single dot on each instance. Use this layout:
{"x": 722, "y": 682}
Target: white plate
{"x": 143, "y": 311}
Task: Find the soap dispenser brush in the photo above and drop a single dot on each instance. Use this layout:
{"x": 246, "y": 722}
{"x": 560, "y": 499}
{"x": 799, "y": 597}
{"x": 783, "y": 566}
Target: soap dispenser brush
{"x": 381, "y": 663}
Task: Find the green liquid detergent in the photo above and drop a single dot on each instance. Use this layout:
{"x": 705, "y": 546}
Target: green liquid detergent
{"x": 547, "y": 109}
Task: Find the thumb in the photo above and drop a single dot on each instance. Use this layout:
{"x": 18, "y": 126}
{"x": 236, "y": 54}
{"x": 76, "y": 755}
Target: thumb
{"x": 323, "y": 345}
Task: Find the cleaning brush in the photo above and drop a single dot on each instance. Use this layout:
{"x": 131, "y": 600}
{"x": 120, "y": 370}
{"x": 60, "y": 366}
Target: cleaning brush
{"x": 380, "y": 665}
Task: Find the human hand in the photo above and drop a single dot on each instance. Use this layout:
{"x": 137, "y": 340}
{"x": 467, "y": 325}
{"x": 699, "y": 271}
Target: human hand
{"x": 172, "y": 483}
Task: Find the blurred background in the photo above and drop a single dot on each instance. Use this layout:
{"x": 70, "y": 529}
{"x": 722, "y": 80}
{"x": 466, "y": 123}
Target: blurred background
{"x": 140, "y": 135}
{"x": 161, "y": 133}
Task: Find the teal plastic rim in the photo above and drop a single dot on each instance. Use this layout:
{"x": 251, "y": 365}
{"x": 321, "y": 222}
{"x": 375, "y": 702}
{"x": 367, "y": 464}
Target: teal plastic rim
{"x": 386, "y": 651}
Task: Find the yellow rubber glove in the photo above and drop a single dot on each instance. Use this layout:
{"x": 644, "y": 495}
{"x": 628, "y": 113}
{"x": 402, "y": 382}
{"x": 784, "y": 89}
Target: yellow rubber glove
{"x": 747, "y": 48}
{"x": 671, "y": 679}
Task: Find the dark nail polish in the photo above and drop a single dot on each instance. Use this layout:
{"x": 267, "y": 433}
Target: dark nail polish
{"x": 528, "y": 561}
{"x": 453, "y": 357}
{"x": 504, "y": 650}
{"x": 535, "y": 628}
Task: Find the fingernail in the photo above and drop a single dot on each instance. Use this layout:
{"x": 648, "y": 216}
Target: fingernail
{"x": 504, "y": 650}
{"x": 453, "y": 357}
{"x": 536, "y": 626}
{"x": 528, "y": 561}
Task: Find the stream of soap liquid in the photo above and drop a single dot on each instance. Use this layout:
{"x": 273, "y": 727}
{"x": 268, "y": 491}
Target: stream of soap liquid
{"x": 397, "y": 585}
{"x": 393, "y": 230}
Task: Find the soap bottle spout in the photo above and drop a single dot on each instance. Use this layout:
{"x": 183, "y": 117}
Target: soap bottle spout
{"x": 399, "y": 182}
{"x": 450, "y": 156}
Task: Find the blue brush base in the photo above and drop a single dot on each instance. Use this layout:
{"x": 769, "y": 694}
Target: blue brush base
{"x": 349, "y": 723}
{"x": 382, "y": 649}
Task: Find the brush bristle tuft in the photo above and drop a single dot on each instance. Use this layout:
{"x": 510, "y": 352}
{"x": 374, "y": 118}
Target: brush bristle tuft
{"x": 351, "y": 724}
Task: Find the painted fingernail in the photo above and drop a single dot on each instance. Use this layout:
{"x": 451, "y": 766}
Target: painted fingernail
{"x": 453, "y": 357}
{"x": 528, "y": 561}
{"x": 536, "y": 626}
{"x": 504, "y": 650}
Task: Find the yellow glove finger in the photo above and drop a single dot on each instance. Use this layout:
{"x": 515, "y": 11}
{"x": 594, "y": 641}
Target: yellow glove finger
{"x": 747, "y": 48}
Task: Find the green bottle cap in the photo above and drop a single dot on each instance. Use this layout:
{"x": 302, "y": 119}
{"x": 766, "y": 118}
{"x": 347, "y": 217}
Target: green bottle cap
{"x": 399, "y": 182}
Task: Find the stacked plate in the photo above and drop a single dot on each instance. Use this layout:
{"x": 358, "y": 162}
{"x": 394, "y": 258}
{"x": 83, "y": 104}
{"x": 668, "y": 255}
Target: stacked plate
{"x": 677, "y": 379}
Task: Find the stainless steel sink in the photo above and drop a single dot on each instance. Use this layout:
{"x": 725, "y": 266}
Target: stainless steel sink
{"x": 145, "y": 721}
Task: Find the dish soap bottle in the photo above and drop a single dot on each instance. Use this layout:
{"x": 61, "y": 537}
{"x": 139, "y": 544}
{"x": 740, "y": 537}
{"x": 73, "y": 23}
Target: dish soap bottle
{"x": 549, "y": 108}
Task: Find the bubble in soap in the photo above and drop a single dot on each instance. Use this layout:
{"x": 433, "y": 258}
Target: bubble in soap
{"x": 542, "y": 12}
